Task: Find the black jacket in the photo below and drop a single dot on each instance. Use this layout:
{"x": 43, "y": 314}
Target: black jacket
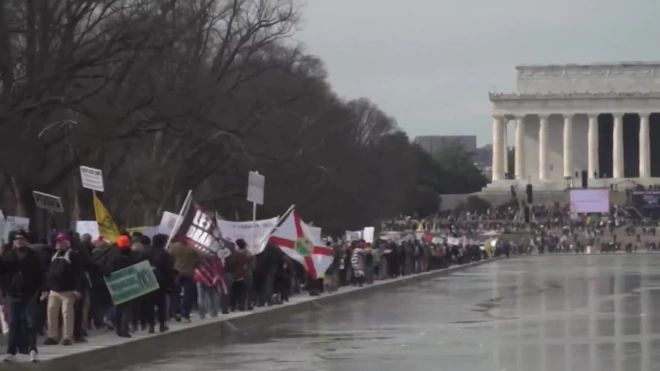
{"x": 65, "y": 272}
{"x": 23, "y": 272}
{"x": 162, "y": 263}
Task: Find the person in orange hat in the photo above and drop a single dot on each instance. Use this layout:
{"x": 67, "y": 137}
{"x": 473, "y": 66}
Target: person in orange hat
{"x": 123, "y": 242}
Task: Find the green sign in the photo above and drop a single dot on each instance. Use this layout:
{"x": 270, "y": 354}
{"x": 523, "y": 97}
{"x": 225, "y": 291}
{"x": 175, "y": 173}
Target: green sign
{"x": 131, "y": 282}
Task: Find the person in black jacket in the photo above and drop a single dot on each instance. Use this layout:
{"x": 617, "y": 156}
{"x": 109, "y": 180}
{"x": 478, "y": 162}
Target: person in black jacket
{"x": 64, "y": 284}
{"x": 121, "y": 260}
{"x": 163, "y": 265}
{"x": 24, "y": 275}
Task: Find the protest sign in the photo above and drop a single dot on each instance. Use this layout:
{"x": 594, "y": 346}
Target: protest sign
{"x": 131, "y": 282}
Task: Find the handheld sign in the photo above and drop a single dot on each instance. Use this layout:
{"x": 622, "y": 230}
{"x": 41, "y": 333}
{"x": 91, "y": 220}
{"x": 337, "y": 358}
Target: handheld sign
{"x": 131, "y": 282}
{"x": 48, "y": 202}
{"x": 255, "y": 191}
{"x": 91, "y": 178}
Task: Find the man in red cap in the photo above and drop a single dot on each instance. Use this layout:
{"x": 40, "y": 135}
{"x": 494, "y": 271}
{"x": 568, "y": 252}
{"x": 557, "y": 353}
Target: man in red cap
{"x": 64, "y": 283}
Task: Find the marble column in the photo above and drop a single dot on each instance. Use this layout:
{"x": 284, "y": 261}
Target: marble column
{"x": 617, "y": 146}
{"x": 644, "y": 146}
{"x": 497, "y": 149}
{"x": 568, "y": 146}
{"x": 520, "y": 148}
{"x": 505, "y": 147}
{"x": 543, "y": 147}
{"x": 592, "y": 142}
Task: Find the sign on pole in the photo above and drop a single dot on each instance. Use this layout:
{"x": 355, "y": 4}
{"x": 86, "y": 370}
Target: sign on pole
{"x": 255, "y": 191}
{"x": 48, "y": 202}
{"x": 131, "y": 282}
{"x": 91, "y": 178}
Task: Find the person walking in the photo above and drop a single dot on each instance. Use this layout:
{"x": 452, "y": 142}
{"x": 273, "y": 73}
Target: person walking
{"x": 24, "y": 272}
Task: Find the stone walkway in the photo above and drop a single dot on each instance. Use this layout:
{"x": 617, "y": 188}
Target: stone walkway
{"x": 106, "y": 339}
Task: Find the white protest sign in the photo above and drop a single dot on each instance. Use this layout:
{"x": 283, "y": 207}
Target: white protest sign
{"x": 48, "y": 202}
{"x": 353, "y": 236}
{"x": 260, "y": 229}
{"x": 90, "y": 227}
{"x": 255, "y": 191}
{"x": 167, "y": 223}
{"x": 91, "y": 178}
{"x": 368, "y": 234}
{"x": 15, "y": 223}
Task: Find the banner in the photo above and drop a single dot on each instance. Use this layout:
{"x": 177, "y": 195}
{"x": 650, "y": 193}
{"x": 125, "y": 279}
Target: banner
{"x": 646, "y": 200}
{"x": 107, "y": 227}
{"x": 131, "y": 282}
{"x": 246, "y": 230}
{"x": 199, "y": 230}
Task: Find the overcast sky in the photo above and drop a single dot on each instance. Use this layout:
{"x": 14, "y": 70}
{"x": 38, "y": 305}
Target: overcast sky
{"x": 431, "y": 63}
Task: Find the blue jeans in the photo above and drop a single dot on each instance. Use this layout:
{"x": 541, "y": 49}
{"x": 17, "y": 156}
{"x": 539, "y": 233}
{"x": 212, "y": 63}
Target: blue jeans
{"x": 181, "y": 306}
{"x": 208, "y": 300}
{"x": 22, "y": 316}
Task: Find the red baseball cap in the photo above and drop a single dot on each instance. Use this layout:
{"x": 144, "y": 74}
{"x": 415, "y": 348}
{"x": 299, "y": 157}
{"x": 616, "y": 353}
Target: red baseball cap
{"x": 61, "y": 237}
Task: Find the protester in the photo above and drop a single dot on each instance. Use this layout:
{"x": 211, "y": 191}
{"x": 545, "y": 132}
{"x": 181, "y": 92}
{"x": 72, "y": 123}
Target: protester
{"x": 186, "y": 260}
{"x": 23, "y": 279}
{"x": 163, "y": 268}
{"x": 120, "y": 261}
{"x": 64, "y": 285}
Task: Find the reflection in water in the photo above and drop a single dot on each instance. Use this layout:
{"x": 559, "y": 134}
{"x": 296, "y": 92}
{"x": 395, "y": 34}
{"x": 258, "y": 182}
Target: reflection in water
{"x": 533, "y": 313}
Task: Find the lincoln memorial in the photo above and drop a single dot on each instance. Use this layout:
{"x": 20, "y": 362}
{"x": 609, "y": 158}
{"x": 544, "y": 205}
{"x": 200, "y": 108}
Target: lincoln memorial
{"x": 600, "y": 118}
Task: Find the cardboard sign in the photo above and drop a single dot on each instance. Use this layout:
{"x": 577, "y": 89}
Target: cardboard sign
{"x": 48, "y": 202}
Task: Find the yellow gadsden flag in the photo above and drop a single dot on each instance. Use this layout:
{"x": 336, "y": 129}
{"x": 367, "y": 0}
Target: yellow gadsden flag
{"x": 107, "y": 227}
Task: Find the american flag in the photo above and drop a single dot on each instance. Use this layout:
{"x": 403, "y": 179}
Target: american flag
{"x": 212, "y": 273}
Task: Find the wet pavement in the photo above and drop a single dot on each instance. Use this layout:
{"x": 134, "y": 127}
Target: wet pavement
{"x": 593, "y": 312}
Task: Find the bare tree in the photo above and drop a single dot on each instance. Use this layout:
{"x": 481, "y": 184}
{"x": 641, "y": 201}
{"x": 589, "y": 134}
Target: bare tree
{"x": 167, "y": 96}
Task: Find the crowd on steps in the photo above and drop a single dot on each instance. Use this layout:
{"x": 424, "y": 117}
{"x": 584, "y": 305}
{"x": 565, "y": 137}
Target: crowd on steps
{"x": 54, "y": 290}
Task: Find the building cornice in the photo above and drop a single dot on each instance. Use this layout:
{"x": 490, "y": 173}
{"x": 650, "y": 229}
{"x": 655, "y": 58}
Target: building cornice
{"x": 497, "y": 97}
{"x": 589, "y": 65}
{"x": 597, "y": 71}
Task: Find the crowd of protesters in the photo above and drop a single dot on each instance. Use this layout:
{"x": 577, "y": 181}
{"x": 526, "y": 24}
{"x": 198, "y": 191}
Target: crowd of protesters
{"x": 54, "y": 291}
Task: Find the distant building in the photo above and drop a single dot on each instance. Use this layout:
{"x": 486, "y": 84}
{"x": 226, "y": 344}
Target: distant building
{"x": 433, "y": 143}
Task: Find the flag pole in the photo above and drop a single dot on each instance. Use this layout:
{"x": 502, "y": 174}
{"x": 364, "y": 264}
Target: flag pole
{"x": 177, "y": 224}
{"x": 279, "y": 222}
{"x": 255, "y": 248}
{"x": 254, "y": 227}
